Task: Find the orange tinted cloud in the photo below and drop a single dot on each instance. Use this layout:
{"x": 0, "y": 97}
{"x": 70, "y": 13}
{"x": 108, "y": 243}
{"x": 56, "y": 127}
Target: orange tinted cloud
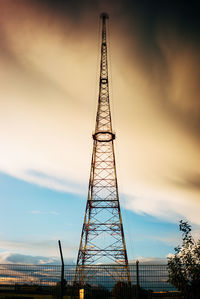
{"x": 49, "y": 94}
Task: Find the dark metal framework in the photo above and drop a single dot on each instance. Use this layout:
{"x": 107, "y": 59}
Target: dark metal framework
{"x": 102, "y": 239}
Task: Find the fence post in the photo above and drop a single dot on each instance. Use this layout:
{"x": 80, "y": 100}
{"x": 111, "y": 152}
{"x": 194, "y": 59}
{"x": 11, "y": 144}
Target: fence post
{"x": 62, "y": 272}
{"x": 137, "y": 279}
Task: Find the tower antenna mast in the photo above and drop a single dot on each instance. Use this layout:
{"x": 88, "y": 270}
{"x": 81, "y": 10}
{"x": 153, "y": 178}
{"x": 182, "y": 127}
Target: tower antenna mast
{"x": 102, "y": 238}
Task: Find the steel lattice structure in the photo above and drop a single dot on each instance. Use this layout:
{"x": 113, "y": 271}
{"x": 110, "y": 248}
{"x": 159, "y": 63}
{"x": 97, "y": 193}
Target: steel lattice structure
{"x": 102, "y": 238}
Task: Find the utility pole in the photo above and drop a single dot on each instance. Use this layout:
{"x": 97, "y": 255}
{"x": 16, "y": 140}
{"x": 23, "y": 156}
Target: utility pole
{"x": 102, "y": 239}
{"x": 62, "y": 285}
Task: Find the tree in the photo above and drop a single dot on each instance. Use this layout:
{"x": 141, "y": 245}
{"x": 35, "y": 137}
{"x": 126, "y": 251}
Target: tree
{"x": 184, "y": 265}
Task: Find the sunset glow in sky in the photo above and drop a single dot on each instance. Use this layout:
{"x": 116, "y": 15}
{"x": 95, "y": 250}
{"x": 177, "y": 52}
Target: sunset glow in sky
{"x": 49, "y": 68}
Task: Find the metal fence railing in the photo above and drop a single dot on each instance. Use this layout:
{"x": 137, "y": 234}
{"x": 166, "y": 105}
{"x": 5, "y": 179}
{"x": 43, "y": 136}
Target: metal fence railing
{"x": 100, "y": 281}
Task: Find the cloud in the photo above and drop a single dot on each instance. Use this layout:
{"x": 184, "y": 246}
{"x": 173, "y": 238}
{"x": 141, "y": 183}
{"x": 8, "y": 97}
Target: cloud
{"x": 36, "y": 248}
{"x": 191, "y": 182}
{"x": 48, "y": 115}
{"x": 149, "y": 261}
{"x": 52, "y": 182}
{"x": 14, "y": 258}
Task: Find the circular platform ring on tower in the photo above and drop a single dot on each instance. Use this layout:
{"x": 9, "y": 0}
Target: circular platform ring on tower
{"x": 103, "y": 136}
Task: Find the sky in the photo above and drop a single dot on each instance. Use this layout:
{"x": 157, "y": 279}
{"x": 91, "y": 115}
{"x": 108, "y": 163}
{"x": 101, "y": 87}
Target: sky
{"x": 49, "y": 70}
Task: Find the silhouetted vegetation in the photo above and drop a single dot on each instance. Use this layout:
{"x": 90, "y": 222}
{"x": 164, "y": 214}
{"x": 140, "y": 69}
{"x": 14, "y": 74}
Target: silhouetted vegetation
{"x": 97, "y": 293}
{"x": 126, "y": 291}
{"x": 121, "y": 290}
{"x": 184, "y": 266}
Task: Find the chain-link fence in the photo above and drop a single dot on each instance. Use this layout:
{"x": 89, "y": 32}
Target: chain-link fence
{"x": 98, "y": 281}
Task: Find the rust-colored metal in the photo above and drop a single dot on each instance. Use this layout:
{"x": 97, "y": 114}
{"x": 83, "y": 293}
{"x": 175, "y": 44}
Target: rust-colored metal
{"x": 102, "y": 239}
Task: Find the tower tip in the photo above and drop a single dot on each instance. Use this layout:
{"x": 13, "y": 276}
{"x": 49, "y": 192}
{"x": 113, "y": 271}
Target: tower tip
{"x": 104, "y": 15}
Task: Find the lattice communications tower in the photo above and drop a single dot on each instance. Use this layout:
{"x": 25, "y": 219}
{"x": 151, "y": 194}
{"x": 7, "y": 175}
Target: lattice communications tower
{"x": 102, "y": 238}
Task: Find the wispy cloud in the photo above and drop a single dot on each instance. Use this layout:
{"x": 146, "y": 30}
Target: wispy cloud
{"x": 48, "y": 121}
{"x": 43, "y": 247}
{"x": 15, "y": 258}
